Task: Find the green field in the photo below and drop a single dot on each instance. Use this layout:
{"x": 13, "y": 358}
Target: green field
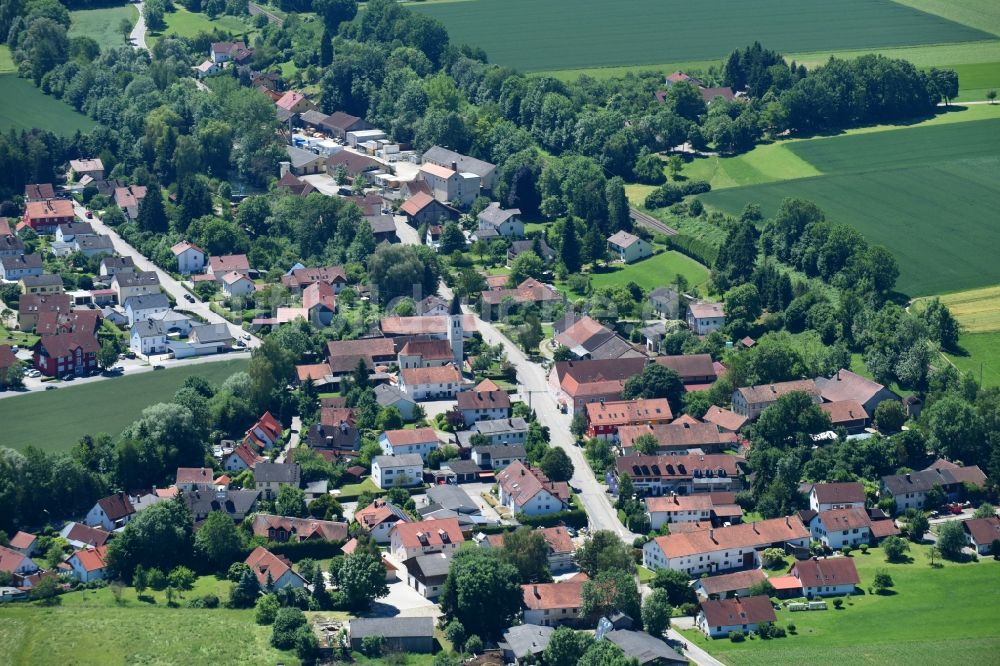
{"x": 88, "y": 627}
{"x": 23, "y": 106}
{"x": 183, "y": 23}
{"x": 102, "y": 24}
{"x": 936, "y": 616}
{"x": 6, "y": 62}
{"x": 981, "y": 358}
{"x": 927, "y": 193}
{"x": 56, "y": 420}
{"x": 572, "y": 34}
{"x": 653, "y": 272}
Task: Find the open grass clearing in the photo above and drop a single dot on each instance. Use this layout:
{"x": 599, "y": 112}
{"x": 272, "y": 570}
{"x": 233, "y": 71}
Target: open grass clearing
{"x": 935, "y": 616}
{"x": 573, "y": 34}
{"x": 926, "y": 193}
{"x": 183, "y": 23}
{"x": 656, "y": 271}
{"x": 976, "y": 79}
{"x": 56, "y": 420}
{"x": 981, "y": 14}
{"x": 981, "y": 356}
{"x": 977, "y": 310}
{"x": 101, "y": 25}
{"x": 6, "y": 61}
{"x": 23, "y": 107}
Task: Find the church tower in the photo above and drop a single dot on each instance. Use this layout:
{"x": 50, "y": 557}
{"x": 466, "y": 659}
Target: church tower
{"x": 455, "y": 333}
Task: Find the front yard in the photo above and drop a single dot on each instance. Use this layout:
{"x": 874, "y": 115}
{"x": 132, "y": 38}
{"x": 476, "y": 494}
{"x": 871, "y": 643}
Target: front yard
{"x": 932, "y": 616}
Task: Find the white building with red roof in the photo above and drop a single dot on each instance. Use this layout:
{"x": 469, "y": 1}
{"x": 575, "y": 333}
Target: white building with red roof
{"x": 24, "y": 542}
{"x": 420, "y": 441}
{"x": 438, "y": 383}
{"x": 190, "y": 258}
{"x": 273, "y": 572}
{"x": 718, "y": 618}
{"x": 264, "y": 434}
{"x": 111, "y": 512}
{"x": 704, "y": 318}
{"x": 194, "y": 478}
{"x": 408, "y": 540}
{"x": 241, "y": 458}
{"x": 553, "y": 604}
{"x": 88, "y": 563}
{"x": 529, "y": 491}
{"x": 378, "y": 519}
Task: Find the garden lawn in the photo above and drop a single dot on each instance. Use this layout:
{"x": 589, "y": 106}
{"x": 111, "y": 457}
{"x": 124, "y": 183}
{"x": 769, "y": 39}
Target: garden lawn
{"x": 56, "y": 420}
{"x": 352, "y": 491}
{"x": 573, "y": 34}
{"x": 183, "y": 23}
{"x": 981, "y": 357}
{"x": 935, "y": 616}
{"x": 924, "y": 192}
{"x": 23, "y": 106}
{"x": 656, "y": 271}
{"x": 101, "y": 25}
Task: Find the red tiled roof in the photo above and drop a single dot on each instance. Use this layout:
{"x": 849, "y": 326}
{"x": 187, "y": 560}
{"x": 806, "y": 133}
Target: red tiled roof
{"x": 830, "y": 571}
{"x": 194, "y": 475}
{"x": 747, "y": 535}
{"x": 319, "y": 293}
{"x": 10, "y": 560}
{"x": 377, "y": 513}
{"x": 262, "y": 562}
{"x": 91, "y": 559}
{"x": 730, "y": 612}
{"x": 303, "y": 529}
{"x": 443, "y": 374}
{"x": 982, "y": 530}
{"x": 839, "y": 493}
{"x": 411, "y": 437}
{"x": 725, "y": 419}
{"x": 483, "y": 400}
{"x": 116, "y": 506}
{"x": 65, "y": 344}
{"x": 771, "y": 392}
{"x": 7, "y": 357}
{"x": 550, "y": 596}
{"x": 22, "y": 540}
{"x": 94, "y": 536}
{"x": 529, "y": 291}
{"x": 416, "y": 203}
{"x": 740, "y": 580}
{"x": 228, "y": 263}
{"x": 838, "y": 520}
{"x": 523, "y": 483}
{"x": 673, "y": 435}
{"x": 434, "y": 350}
{"x": 558, "y": 539}
{"x": 50, "y": 209}
{"x": 423, "y": 325}
{"x": 290, "y": 99}
{"x": 844, "y": 411}
{"x": 626, "y": 412}
{"x": 315, "y": 371}
{"x": 435, "y": 533}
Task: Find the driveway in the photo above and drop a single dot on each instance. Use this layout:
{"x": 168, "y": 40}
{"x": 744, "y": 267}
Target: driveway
{"x": 167, "y": 282}
{"x": 689, "y": 650}
{"x": 404, "y": 601}
{"x": 138, "y": 36}
{"x": 293, "y": 439}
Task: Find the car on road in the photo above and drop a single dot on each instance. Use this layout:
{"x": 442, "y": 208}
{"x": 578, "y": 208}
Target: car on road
{"x": 240, "y": 344}
{"x": 51, "y": 388}
{"x": 189, "y": 298}
{"x": 246, "y": 336}
{"x": 954, "y": 508}
{"x": 159, "y": 367}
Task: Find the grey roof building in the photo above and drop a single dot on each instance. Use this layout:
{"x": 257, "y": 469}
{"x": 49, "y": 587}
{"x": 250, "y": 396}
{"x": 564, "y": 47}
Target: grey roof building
{"x": 401, "y": 634}
{"x": 644, "y": 648}
{"x": 500, "y": 426}
{"x": 234, "y": 503}
{"x": 44, "y": 280}
{"x": 446, "y": 158}
{"x": 208, "y": 333}
{"x": 269, "y": 472}
{"x": 402, "y": 460}
{"x": 452, "y": 498}
{"x": 426, "y": 573}
{"x": 147, "y": 302}
{"x": 525, "y": 641}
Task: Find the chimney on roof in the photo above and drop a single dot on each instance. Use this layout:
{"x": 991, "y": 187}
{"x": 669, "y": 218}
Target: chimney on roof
{"x": 787, "y": 522}
{"x": 711, "y": 535}
{"x": 454, "y": 166}
{"x": 907, "y": 477}
{"x": 534, "y": 589}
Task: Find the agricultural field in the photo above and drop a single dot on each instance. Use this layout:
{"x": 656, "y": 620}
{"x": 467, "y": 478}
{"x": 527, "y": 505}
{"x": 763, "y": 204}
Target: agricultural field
{"x": 981, "y": 356}
{"x": 977, "y": 310}
{"x": 575, "y": 34}
{"x": 106, "y": 406}
{"x": 23, "y": 106}
{"x": 652, "y": 272}
{"x": 89, "y": 627}
{"x": 932, "y": 616}
{"x": 101, "y": 25}
{"x": 925, "y": 193}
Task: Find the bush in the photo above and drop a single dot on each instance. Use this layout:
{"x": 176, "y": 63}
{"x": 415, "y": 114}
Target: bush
{"x": 372, "y": 646}
{"x": 846, "y": 550}
{"x": 737, "y": 636}
{"x": 864, "y": 549}
{"x": 207, "y": 601}
{"x": 688, "y": 608}
{"x": 474, "y": 644}
{"x": 791, "y": 627}
{"x": 838, "y": 603}
{"x": 455, "y": 633}
{"x": 266, "y": 609}
{"x": 286, "y": 623}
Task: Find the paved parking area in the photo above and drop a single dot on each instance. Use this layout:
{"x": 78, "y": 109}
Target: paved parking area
{"x": 404, "y": 601}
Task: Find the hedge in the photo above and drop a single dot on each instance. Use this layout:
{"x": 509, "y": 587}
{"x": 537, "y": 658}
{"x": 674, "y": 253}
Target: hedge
{"x": 575, "y": 517}
{"x": 697, "y": 249}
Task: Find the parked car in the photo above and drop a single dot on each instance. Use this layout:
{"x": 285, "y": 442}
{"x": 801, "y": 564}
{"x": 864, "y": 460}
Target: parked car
{"x": 955, "y": 508}
{"x": 159, "y": 367}
{"x": 189, "y": 298}
{"x": 51, "y": 388}
{"x": 90, "y": 214}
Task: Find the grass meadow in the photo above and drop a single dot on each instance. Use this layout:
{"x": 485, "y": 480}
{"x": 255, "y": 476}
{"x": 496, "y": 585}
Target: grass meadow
{"x": 23, "y": 106}
{"x": 56, "y": 420}
{"x": 89, "y": 627}
{"x": 925, "y": 192}
{"x": 945, "y": 615}
{"x": 573, "y": 34}
{"x": 183, "y": 23}
{"x": 102, "y": 24}
{"x": 652, "y": 272}
{"x": 6, "y": 62}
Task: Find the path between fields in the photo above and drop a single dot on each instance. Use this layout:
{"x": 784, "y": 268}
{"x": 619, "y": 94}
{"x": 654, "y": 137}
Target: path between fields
{"x": 138, "y": 35}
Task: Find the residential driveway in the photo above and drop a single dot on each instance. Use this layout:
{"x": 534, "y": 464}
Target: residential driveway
{"x": 169, "y": 284}
{"x": 475, "y": 491}
{"x": 434, "y": 407}
{"x": 407, "y": 234}
{"x": 404, "y": 601}
{"x": 138, "y": 36}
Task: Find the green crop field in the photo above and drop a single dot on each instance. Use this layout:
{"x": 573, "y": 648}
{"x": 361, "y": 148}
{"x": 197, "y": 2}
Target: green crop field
{"x": 23, "y": 106}
{"x": 653, "y": 272}
{"x": 926, "y": 193}
{"x": 56, "y": 420}
{"x": 572, "y": 34}
{"x": 89, "y": 627}
{"x": 944, "y": 615}
{"x": 102, "y": 24}
{"x": 981, "y": 356}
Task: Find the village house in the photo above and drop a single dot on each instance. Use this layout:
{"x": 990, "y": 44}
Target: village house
{"x": 16, "y": 563}
{"x": 426, "y": 573}
{"x": 554, "y": 604}
{"x": 10, "y": 245}
{"x": 111, "y": 512}
{"x": 724, "y": 586}
{"x": 584, "y": 336}
{"x": 420, "y": 441}
{"x": 483, "y": 405}
{"x": 194, "y": 478}
{"x": 237, "y": 285}
{"x": 91, "y": 167}
{"x": 23, "y": 542}
{"x": 297, "y": 280}
{"x": 576, "y": 384}
{"x": 293, "y": 184}
{"x": 677, "y": 437}
{"x": 210, "y": 338}
{"x": 714, "y": 508}
{"x": 222, "y": 265}
{"x": 496, "y": 431}
{"x": 148, "y": 338}
{"x": 398, "y": 471}
{"x": 129, "y": 284}
{"x": 8, "y": 360}
{"x": 628, "y": 248}
{"x": 541, "y": 249}
{"x": 605, "y": 418}
{"x": 269, "y": 477}
{"x": 829, "y": 496}
{"x": 352, "y": 164}
{"x": 265, "y": 433}
{"x": 560, "y": 547}
{"x": 529, "y": 491}
{"x": 726, "y": 420}
{"x": 113, "y": 265}
{"x": 846, "y": 414}
{"x": 343, "y": 355}
{"x": 665, "y": 302}
{"x": 439, "y": 383}
{"x": 378, "y": 519}
{"x": 847, "y": 385}
{"x": 320, "y": 302}
{"x": 338, "y": 124}
{"x": 336, "y": 430}
{"x": 750, "y": 401}
{"x": 273, "y": 572}
{"x": 423, "y": 208}
{"x": 294, "y": 102}
{"x": 79, "y": 535}
{"x": 88, "y": 564}
{"x": 141, "y": 308}
{"x": 46, "y": 216}
{"x": 32, "y": 306}
{"x": 129, "y": 199}
{"x": 296, "y": 530}
{"x": 837, "y": 528}
{"x": 223, "y": 52}
{"x": 981, "y": 533}
{"x": 302, "y": 162}
{"x": 407, "y": 540}
{"x": 498, "y": 456}
{"x": 697, "y": 371}
{"x": 459, "y": 162}
{"x": 682, "y": 474}
{"x": 398, "y": 634}
{"x": 505, "y": 222}
{"x": 724, "y": 548}
{"x": 206, "y": 68}
{"x": 15, "y": 268}
{"x": 39, "y": 192}
{"x": 705, "y": 318}
{"x": 235, "y": 503}
{"x": 66, "y": 354}
{"x": 67, "y": 233}
{"x": 909, "y": 490}
{"x": 41, "y": 284}
{"x": 826, "y": 576}
{"x": 425, "y": 354}
{"x": 240, "y": 459}
{"x": 190, "y": 258}
{"x": 718, "y": 618}
{"x": 448, "y": 185}
{"x": 92, "y": 246}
